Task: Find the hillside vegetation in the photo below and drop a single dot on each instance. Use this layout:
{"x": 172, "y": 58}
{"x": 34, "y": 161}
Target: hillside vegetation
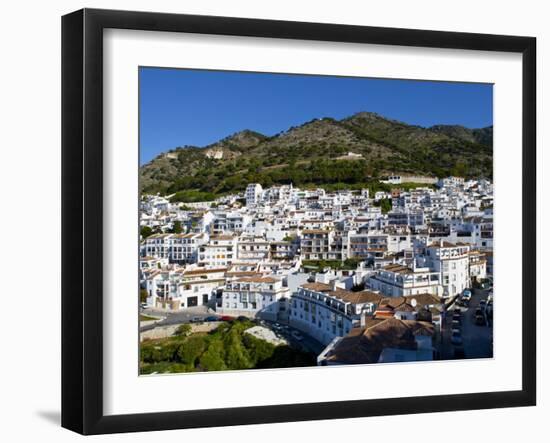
{"x": 227, "y": 347}
{"x": 315, "y": 153}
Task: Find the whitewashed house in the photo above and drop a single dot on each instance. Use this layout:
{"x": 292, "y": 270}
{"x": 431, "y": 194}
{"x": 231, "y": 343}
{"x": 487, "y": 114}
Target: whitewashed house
{"x": 253, "y": 194}
{"x": 451, "y": 261}
{"x": 261, "y": 297}
{"x": 325, "y": 311}
{"x": 220, "y": 251}
{"x": 395, "y": 280}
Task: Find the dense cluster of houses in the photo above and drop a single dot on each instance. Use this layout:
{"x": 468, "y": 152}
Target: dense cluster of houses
{"x": 331, "y": 264}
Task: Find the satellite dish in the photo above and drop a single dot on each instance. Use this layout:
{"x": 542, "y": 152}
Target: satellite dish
{"x": 413, "y": 302}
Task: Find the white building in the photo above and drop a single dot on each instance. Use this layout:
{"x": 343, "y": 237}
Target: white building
{"x": 262, "y": 297}
{"x": 253, "y": 194}
{"x": 450, "y": 182}
{"x": 161, "y": 288}
{"x": 451, "y": 261}
{"x": 156, "y": 245}
{"x": 433, "y": 241}
{"x": 478, "y": 266}
{"x": 316, "y": 244}
{"x": 199, "y": 287}
{"x": 220, "y": 251}
{"x": 184, "y": 248}
{"x": 396, "y": 280}
{"x": 152, "y": 263}
{"x": 253, "y": 249}
{"x": 325, "y": 311}
{"x": 381, "y": 341}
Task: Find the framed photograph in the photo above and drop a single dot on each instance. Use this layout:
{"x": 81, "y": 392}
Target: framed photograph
{"x": 269, "y": 221}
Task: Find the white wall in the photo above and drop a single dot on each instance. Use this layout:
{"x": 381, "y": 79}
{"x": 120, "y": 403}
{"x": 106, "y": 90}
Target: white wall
{"x": 30, "y": 169}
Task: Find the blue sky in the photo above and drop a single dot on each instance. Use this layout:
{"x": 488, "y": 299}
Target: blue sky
{"x": 194, "y": 107}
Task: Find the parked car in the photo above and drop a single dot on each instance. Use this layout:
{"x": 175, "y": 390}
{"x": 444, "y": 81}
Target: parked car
{"x": 457, "y": 311}
{"x": 489, "y": 310}
{"x": 479, "y": 311}
{"x": 143, "y": 305}
{"x": 480, "y": 320}
{"x": 456, "y": 338}
{"x": 467, "y": 294}
{"x": 242, "y": 318}
{"x": 482, "y": 304}
{"x": 486, "y": 285}
{"x": 212, "y": 318}
{"x": 297, "y": 335}
{"x": 227, "y": 318}
{"x": 196, "y": 320}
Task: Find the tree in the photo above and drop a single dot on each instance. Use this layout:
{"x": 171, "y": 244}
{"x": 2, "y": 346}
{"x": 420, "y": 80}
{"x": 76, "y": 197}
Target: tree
{"x": 177, "y": 228}
{"x": 352, "y": 263}
{"x": 143, "y": 295}
{"x": 384, "y": 204}
{"x": 191, "y": 350}
{"x": 258, "y": 350}
{"x": 183, "y": 330}
{"x": 236, "y": 355}
{"x": 212, "y": 359}
{"x": 146, "y": 231}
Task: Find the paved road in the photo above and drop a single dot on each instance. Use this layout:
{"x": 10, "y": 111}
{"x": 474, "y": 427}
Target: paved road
{"x": 478, "y": 340}
{"x": 175, "y": 317}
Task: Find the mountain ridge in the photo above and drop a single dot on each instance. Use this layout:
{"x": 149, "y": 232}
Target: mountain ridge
{"x": 379, "y": 145}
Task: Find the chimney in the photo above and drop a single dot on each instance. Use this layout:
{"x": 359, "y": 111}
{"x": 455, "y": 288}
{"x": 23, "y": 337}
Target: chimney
{"x": 333, "y": 284}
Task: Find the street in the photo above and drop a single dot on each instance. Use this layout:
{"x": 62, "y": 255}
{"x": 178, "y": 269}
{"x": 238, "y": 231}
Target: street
{"x": 477, "y": 340}
{"x": 175, "y": 317}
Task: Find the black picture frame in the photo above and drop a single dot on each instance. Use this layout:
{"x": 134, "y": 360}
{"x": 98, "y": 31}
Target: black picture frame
{"x": 82, "y": 190}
